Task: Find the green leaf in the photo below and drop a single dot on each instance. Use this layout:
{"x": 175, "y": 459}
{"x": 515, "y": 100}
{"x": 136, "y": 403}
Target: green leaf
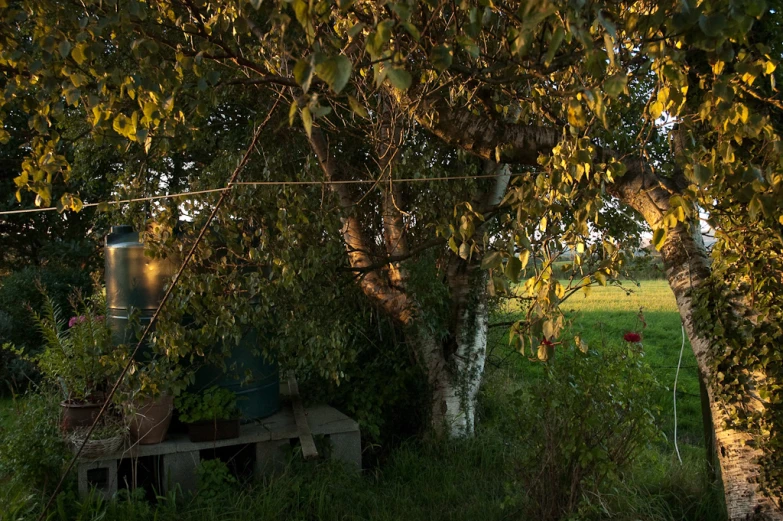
{"x": 302, "y": 11}
{"x": 712, "y": 25}
{"x": 303, "y": 73}
{"x": 412, "y": 30}
{"x": 615, "y": 84}
{"x": 72, "y": 96}
{"x": 64, "y": 48}
{"x": 469, "y": 44}
{"x": 355, "y": 29}
{"x": 659, "y": 237}
{"x": 755, "y": 8}
{"x": 607, "y": 24}
{"x": 441, "y": 57}
{"x": 554, "y": 45}
{"x": 600, "y": 278}
{"x": 256, "y": 4}
{"x": 399, "y": 78}
{"x": 491, "y": 260}
{"x": 335, "y": 71}
{"x": 307, "y": 121}
{"x": 513, "y": 268}
{"x": 701, "y": 174}
{"x": 401, "y": 10}
{"x": 357, "y": 108}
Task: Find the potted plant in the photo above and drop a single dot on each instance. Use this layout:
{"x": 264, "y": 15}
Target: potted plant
{"x": 147, "y": 395}
{"x": 72, "y": 357}
{"x": 210, "y": 415}
{"x": 107, "y": 438}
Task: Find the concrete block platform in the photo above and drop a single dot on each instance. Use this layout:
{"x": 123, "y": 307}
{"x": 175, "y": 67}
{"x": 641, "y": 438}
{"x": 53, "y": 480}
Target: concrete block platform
{"x": 180, "y": 456}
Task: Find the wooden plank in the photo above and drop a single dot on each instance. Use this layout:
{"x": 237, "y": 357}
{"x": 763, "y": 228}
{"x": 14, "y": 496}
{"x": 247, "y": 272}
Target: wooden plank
{"x": 320, "y": 420}
{"x": 309, "y": 451}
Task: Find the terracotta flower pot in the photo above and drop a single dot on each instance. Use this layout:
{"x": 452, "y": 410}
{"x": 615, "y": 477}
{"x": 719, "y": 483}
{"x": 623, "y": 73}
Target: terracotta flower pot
{"x": 150, "y": 421}
{"x": 213, "y": 430}
{"x": 77, "y": 415}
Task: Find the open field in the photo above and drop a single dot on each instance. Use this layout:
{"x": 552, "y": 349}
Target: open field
{"x": 606, "y": 313}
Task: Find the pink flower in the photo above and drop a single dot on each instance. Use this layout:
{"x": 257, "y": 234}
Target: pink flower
{"x": 632, "y": 337}
{"x": 76, "y": 320}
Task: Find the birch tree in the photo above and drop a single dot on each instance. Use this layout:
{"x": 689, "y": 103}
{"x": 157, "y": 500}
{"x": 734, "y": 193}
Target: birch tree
{"x": 669, "y": 108}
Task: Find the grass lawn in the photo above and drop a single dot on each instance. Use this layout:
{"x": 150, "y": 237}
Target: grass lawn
{"x": 6, "y": 409}
{"x": 605, "y": 314}
{"x": 481, "y": 478}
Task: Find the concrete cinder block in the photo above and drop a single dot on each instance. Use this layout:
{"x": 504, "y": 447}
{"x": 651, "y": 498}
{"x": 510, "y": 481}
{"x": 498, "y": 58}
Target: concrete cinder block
{"x": 270, "y": 457}
{"x": 347, "y": 447}
{"x": 100, "y": 475}
{"x": 179, "y": 468}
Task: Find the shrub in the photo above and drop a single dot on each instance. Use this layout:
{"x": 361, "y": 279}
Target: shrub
{"x": 32, "y": 451}
{"x": 585, "y": 419}
{"x": 214, "y": 481}
{"x": 72, "y": 355}
{"x": 19, "y": 292}
{"x": 214, "y": 403}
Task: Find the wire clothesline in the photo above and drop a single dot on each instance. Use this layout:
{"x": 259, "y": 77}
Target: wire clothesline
{"x": 262, "y": 183}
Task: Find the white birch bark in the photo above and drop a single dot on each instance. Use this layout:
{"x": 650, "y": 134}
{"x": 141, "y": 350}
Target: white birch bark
{"x": 687, "y": 268}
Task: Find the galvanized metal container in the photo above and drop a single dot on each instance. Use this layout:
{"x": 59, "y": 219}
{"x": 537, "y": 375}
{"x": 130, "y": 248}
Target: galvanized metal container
{"x": 134, "y": 282}
{"x": 255, "y": 380}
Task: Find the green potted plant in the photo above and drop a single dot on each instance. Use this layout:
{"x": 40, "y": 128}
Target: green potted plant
{"x": 147, "y": 394}
{"x": 107, "y": 438}
{"x": 211, "y": 414}
{"x": 73, "y": 357}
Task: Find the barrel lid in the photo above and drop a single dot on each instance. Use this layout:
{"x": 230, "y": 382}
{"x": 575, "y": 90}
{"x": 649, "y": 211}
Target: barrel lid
{"x": 122, "y": 233}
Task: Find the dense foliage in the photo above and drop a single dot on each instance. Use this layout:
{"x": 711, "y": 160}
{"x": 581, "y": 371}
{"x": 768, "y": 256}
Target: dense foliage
{"x": 214, "y": 403}
{"x": 670, "y": 108}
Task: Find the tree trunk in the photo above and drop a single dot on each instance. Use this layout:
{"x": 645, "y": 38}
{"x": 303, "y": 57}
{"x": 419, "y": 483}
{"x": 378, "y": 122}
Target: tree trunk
{"x": 455, "y": 364}
{"x": 684, "y": 254}
{"x": 687, "y": 268}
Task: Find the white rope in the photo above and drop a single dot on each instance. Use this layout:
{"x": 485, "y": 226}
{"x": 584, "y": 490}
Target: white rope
{"x": 122, "y": 201}
{"x": 257, "y": 183}
{"x": 676, "y": 376}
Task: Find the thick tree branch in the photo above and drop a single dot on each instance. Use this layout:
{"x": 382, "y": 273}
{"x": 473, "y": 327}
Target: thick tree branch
{"x": 396, "y": 303}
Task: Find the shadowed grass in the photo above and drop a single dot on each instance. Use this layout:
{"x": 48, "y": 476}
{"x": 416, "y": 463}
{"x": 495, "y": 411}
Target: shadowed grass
{"x": 477, "y": 478}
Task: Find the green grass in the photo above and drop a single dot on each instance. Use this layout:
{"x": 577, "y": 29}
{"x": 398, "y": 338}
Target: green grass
{"x": 6, "y": 409}
{"x": 477, "y": 478}
{"x": 604, "y": 314}
{"x": 452, "y": 481}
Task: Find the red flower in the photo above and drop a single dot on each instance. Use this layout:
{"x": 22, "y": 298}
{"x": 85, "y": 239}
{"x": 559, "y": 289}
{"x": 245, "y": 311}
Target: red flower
{"x": 546, "y": 342}
{"x": 632, "y": 337}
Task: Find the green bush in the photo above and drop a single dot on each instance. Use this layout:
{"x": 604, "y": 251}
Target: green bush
{"x": 214, "y": 403}
{"x": 73, "y": 352}
{"x": 19, "y": 292}
{"x": 214, "y": 481}
{"x": 32, "y": 452}
{"x": 585, "y": 421}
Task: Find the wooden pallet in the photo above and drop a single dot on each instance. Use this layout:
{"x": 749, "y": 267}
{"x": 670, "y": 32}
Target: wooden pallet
{"x": 181, "y": 457}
